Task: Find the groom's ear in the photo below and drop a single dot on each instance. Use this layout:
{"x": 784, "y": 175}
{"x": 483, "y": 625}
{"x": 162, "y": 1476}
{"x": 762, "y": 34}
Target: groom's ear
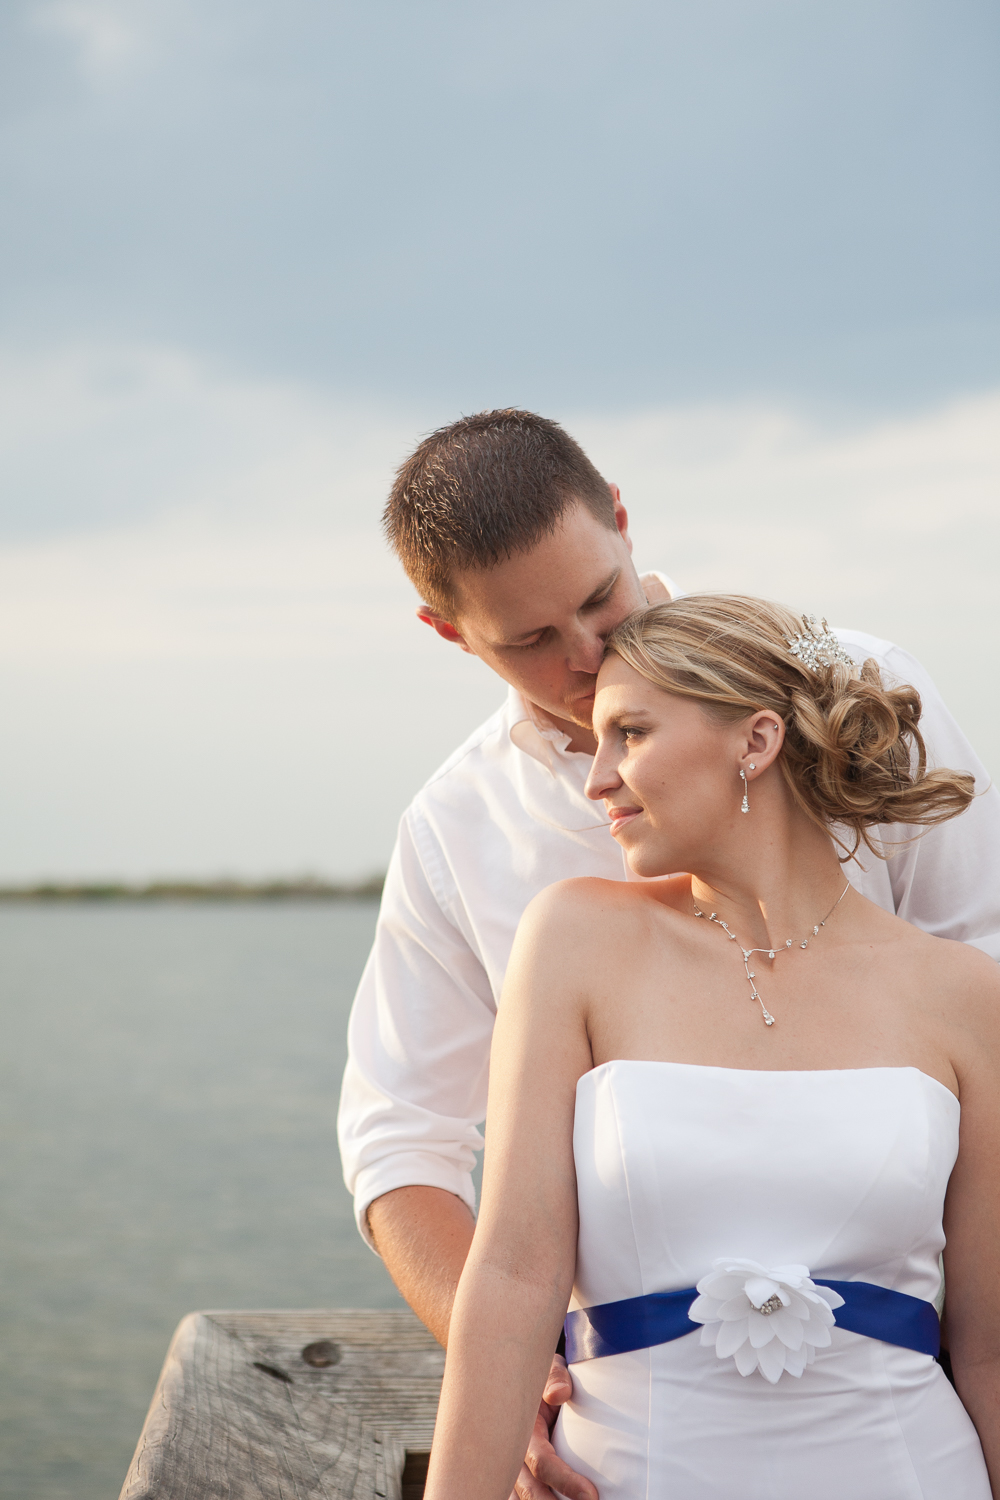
{"x": 444, "y": 628}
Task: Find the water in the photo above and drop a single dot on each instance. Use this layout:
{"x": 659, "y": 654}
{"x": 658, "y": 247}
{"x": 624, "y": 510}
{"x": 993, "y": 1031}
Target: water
{"x": 167, "y": 1108}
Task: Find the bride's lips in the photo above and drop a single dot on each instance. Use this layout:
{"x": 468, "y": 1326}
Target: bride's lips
{"x": 621, "y": 815}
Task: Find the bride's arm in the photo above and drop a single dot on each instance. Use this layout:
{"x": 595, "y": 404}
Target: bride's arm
{"x": 972, "y": 1216}
{"x": 516, "y": 1284}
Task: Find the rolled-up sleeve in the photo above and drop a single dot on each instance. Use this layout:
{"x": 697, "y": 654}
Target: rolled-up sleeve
{"x": 414, "y": 1091}
{"x": 947, "y": 880}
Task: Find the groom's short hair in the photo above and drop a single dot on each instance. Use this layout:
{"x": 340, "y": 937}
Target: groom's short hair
{"x": 482, "y": 489}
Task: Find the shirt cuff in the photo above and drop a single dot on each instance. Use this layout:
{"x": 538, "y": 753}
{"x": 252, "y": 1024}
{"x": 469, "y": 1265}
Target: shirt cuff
{"x": 408, "y": 1169}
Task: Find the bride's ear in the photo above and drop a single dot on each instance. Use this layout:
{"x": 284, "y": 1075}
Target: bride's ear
{"x": 765, "y": 735}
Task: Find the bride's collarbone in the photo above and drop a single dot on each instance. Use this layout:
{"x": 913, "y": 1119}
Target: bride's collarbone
{"x": 820, "y": 1020}
{"x": 787, "y": 1046}
{"x": 845, "y": 1001}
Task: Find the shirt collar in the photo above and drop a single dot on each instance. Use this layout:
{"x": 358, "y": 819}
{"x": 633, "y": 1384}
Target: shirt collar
{"x": 533, "y": 732}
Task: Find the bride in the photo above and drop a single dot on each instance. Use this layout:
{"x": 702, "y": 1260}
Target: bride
{"x": 735, "y": 1113}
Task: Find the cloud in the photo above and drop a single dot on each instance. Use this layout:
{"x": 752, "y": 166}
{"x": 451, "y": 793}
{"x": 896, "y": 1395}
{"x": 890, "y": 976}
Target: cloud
{"x": 222, "y": 668}
{"x": 514, "y": 203}
{"x": 98, "y": 434}
{"x": 108, "y": 36}
{"x": 213, "y": 518}
{"x": 752, "y": 495}
{"x": 890, "y": 526}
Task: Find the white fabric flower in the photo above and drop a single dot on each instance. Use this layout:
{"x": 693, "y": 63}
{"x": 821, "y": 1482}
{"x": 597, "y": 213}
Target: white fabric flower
{"x": 771, "y": 1320}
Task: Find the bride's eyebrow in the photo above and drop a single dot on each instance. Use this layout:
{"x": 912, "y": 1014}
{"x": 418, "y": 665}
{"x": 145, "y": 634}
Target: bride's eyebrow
{"x": 636, "y": 716}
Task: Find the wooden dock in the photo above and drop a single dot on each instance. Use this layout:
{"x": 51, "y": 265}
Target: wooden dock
{"x": 291, "y": 1406}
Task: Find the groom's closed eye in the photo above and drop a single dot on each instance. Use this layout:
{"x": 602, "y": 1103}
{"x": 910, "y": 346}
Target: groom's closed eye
{"x": 602, "y": 594}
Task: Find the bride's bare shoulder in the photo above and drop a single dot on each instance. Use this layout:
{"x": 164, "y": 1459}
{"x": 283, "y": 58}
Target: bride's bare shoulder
{"x": 955, "y": 984}
{"x": 966, "y": 976}
{"x": 948, "y": 962}
{"x": 589, "y": 905}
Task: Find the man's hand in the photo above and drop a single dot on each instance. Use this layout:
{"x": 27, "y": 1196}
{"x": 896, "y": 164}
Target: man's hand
{"x": 543, "y": 1471}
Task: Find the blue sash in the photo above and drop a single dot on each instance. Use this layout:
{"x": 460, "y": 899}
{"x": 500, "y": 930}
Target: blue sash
{"x": 643, "y": 1322}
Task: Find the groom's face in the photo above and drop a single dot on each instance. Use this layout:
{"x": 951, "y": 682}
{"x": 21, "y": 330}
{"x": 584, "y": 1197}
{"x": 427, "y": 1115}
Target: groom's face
{"x": 540, "y": 618}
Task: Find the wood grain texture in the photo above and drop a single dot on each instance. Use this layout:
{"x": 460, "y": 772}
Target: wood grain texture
{"x": 239, "y": 1414}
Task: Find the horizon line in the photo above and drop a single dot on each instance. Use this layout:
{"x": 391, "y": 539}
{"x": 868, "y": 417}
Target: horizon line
{"x": 310, "y": 887}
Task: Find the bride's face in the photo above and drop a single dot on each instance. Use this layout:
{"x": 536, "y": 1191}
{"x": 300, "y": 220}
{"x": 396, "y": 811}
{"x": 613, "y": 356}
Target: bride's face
{"x": 667, "y": 773}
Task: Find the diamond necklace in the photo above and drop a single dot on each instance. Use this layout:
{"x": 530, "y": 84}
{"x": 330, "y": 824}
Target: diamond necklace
{"x": 771, "y": 952}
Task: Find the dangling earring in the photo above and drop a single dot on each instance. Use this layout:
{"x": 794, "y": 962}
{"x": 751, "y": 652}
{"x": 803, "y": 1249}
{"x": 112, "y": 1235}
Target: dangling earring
{"x": 745, "y": 805}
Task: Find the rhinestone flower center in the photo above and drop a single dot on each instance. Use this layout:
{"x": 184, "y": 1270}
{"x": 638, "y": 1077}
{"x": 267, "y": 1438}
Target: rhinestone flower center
{"x": 817, "y": 646}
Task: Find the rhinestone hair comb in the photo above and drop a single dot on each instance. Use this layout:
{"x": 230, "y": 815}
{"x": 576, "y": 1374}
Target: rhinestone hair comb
{"x": 817, "y": 646}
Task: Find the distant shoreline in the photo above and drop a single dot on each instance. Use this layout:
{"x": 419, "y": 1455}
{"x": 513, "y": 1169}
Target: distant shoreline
{"x": 306, "y": 889}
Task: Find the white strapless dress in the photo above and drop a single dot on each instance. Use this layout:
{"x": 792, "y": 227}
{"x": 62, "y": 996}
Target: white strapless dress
{"x": 844, "y": 1172}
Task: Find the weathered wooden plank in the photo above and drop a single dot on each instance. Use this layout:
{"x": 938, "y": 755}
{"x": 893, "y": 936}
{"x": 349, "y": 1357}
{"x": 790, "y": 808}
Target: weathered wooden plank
{"x": 290, "y": 1406}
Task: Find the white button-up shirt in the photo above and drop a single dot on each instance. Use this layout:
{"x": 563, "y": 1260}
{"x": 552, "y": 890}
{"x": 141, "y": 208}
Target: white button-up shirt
{"x": 503, "y": 818}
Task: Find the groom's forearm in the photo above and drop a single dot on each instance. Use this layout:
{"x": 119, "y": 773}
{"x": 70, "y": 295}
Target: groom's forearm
{"x": 423, "y": 1234}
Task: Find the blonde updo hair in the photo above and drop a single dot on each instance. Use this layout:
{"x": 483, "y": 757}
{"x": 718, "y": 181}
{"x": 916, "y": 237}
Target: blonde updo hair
{"x": 853, "y": 754}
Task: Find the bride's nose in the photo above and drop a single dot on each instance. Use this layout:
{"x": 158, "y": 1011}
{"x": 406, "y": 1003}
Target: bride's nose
{"x": 604, "y": 777}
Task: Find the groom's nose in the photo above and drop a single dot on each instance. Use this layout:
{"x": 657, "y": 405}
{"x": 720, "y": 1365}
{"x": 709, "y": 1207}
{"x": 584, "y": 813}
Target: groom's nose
{"x": 586, "y": 650}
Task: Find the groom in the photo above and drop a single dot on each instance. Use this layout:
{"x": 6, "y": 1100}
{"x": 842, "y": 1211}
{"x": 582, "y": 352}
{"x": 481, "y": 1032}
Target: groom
{"x": 521, "y": 553}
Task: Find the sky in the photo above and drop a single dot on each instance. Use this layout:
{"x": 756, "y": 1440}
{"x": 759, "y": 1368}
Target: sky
{"x": 746, "y": 252}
